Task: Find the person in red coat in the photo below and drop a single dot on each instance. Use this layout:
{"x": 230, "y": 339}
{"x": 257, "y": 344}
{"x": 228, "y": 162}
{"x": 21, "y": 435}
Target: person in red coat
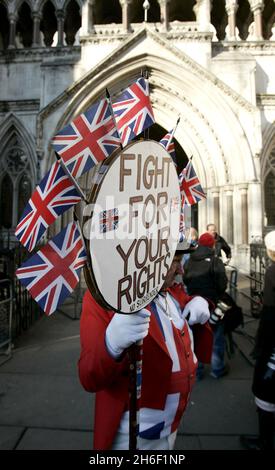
{"x": 168, "y": 369}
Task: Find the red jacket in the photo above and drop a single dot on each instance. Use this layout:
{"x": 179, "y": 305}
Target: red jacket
{"x": 100, "y": 373}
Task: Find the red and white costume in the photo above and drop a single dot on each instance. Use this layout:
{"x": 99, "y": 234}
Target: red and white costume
{"x": 168, "y": 371}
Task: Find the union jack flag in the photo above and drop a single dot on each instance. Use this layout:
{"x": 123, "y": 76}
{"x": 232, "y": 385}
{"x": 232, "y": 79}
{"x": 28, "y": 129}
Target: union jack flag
{"x": 190, "y": 187}
{"x": 108, "y": 220}
{"x": 54, "y": 195}
{"x": 88, "y": 139}
{"x": 53, "y": 272}
{"x": 133, "y": 111}
{"x": 171, "y": 147}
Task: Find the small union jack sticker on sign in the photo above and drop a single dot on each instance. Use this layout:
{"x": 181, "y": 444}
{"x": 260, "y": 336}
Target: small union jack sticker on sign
{"x": 108, "y": 220}
{"x": 174, "y": 204}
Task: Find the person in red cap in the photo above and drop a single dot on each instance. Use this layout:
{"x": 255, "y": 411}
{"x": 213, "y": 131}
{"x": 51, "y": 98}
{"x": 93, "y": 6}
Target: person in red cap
{"x": 204, "y": 275}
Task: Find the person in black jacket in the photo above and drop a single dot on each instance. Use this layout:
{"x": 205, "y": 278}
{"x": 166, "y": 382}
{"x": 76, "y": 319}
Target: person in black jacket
{"x": 204, "y": 272}
{"x": 221, "y": 244}
{"x": 204, "y": 275}
{"x": 263, "y": 385}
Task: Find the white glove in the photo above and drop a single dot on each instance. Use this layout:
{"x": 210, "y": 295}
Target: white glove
{"x": 198, "y": 310}
{"x": 124, "y": 330}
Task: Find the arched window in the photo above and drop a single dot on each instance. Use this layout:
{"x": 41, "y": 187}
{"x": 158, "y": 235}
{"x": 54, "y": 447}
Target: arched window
{"x": 72, "y": 22}
{"x": 4, "y": 27}
{"x": 182, "y": 11}
{"x": 107, "y": 12}
{"x": 269, "y": 191}
{"x": 6, "y": 202}
{"x": 219, "y": 17}
{"x": 48, "y": 25}
{"x": 268, "y": 16}
{"x": 24, "y": 26}
{"x": 16, "y": 184}
{"x": 244, "y": 17}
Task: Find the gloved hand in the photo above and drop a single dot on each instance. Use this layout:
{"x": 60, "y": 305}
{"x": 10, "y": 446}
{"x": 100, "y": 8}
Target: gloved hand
{"x": 198, "y": 311}
{"x": 124, "y": 330}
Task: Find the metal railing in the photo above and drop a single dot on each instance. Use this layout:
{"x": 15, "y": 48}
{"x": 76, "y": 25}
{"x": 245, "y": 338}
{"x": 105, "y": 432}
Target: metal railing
{"x": 258, "y": 263}
{"x": 25, "y": 309}
{"x": 6, "y": 310}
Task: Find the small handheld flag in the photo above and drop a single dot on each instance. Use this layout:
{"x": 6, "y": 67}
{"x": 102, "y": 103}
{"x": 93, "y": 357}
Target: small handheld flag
{"x": 88, "y": 139}
{"x": 190, "y": 187}
{"x": 133, "y": 111}
{"x": 54, "y": 195}
{"x": 52, "y": 273}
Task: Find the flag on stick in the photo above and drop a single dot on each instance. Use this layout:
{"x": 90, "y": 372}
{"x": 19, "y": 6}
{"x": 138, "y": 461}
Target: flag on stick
{"x": 190, "y": 187}
{"x": 133, "y": 111}
{"x": 55, "y": 194}
{"x": 88, "y": 139}
{"x": 168, "y": 143}
{"x": 52, "y": 273}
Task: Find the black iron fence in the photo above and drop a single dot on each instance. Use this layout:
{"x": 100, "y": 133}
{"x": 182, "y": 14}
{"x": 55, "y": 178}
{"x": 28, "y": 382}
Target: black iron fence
{"x": 258, "y": 263}
{"x": 247, "y": 291}
{"x": 252, "y": 290}
{"x": 6, "y": 308}
{"x": 24, "y": 309}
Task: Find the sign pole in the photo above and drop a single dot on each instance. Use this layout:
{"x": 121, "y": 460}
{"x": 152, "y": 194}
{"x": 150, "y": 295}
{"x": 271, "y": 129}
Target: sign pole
{"x": 132, "y": 352}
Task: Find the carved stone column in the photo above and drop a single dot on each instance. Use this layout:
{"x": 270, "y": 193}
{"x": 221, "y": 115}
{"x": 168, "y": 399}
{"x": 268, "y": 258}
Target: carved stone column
{"x": 202, "y": 11}
{"x": 87, "y": 18}
{"x": 60, "y": 27}
{"x": 229, "y": 215}
{"x": 244, "y": 214}
{"x": 125, "y": 14}
{"x": 164, "y": 13}
{"x": 231, "y": 7}
{"x": 255, "y": 214}
{"x": 12, "y": 20}
{"x": 216, "y": 208}
{"x": 257, "y": 7}
{"x": 36, "y": 29}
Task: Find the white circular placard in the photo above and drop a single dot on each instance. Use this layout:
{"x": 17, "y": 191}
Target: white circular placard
{"x": 133, "y": 226}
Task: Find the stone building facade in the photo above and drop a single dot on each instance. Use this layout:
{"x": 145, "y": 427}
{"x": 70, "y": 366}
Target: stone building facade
{"x": 211, "y": 62}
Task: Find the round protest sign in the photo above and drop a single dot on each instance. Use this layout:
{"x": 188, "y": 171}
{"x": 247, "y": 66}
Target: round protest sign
{"x": 131, "y": 226}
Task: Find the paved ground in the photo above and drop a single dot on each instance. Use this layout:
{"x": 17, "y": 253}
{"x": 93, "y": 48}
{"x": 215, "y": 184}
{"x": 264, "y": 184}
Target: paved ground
{"x": 44, "y": 407}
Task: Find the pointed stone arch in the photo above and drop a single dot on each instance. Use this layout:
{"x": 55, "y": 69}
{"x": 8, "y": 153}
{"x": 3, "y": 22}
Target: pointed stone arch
{"x": 13, "y": 125}
{"x": 208, "y": 106}
{"x": 72, "y": 22}
{"x": 4, "y": 26}
{"x": 20, "y": 3}
{"x": 17, "y": 170}
{"x": 182, "y": 11}
{"x": 40, "y": 4}
{"x": 48, "y": 25}
{"x": 178, "y": 91}
{"x": 24, "y": 25}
